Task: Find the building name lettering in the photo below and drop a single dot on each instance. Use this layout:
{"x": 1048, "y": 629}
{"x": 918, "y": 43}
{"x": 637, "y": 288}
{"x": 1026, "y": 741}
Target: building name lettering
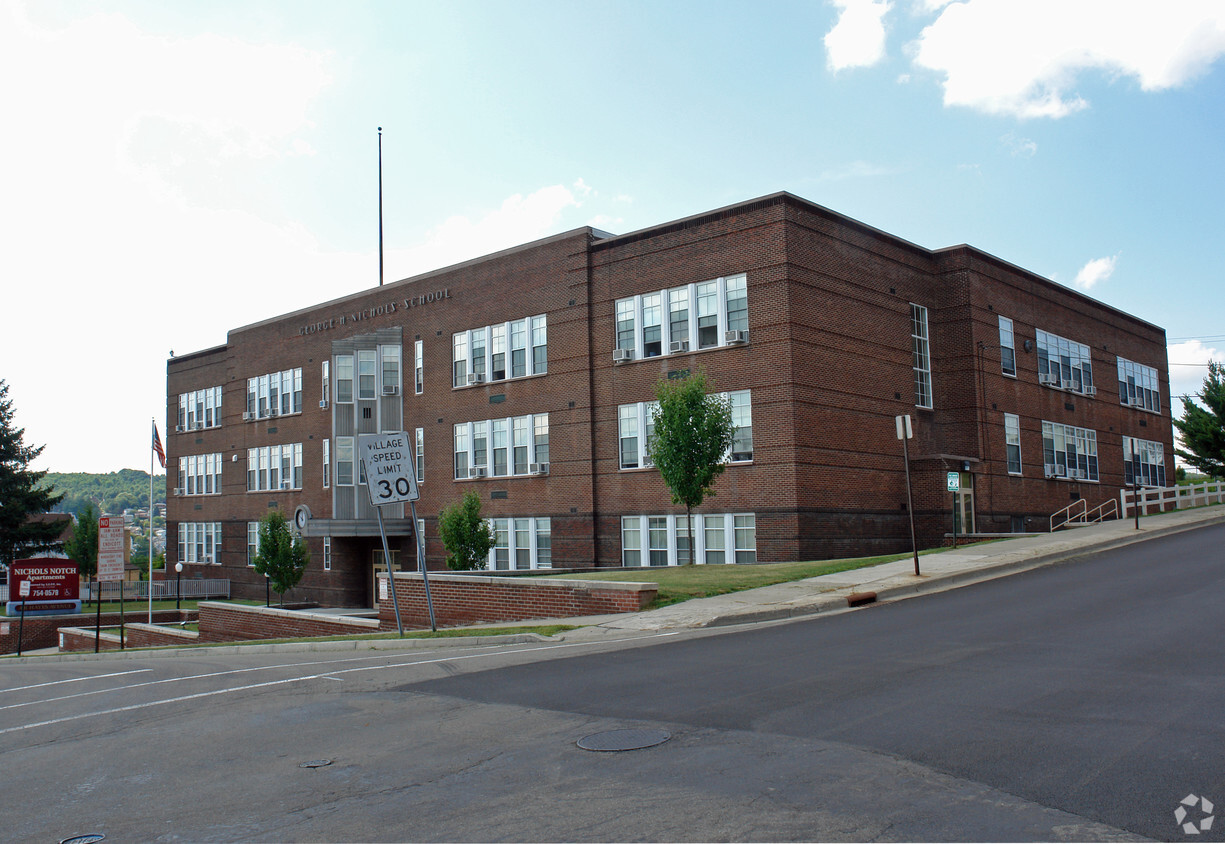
{"x": 375, "y": 311}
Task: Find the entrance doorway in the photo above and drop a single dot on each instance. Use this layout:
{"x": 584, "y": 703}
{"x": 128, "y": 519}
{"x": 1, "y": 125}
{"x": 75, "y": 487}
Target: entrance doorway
{"x": 378, "y": 566}
{"x": 963, "y": 506}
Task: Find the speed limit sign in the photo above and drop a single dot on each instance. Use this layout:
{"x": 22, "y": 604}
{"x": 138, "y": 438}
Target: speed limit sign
{"x": 391, "y": 473}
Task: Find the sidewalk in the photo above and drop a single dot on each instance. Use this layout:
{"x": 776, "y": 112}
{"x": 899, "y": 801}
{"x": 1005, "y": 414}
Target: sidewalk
{"x": 938, "y": 571}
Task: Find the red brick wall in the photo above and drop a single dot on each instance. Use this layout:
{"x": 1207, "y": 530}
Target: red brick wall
{"x": 222, "y": 622}
{"x": 474, "y": 599}
{"x": 43, "y": 631}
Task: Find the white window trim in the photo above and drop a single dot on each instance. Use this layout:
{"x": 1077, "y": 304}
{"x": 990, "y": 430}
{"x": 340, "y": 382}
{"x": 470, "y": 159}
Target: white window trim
{"x": 487, "y": 358}
{"x": 639, "y": 348}
{"x": 677, "y": 530}
{"x": 534, "y": 525}
{"x": 467, "y": 428}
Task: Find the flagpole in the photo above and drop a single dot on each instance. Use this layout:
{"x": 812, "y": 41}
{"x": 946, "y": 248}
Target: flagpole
{"x": 151, "y": 456}
{"x": 380, "y": 206}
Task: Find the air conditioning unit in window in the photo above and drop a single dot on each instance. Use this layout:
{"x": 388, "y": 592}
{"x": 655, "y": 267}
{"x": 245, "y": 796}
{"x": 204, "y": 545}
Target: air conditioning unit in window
{"x": 736, "y": 338}
{"x": 178, "y": 429}
{"x": 1048, "y": 379}
{"x": 272, "y": 411}
{"x": 1090, "y": 391}
{"x": 1050, "y": 470}
{"x": 476, "y": 378}
{"x": 323, "y": 404}
{"x": 199, "y": 426}
{"x": 538, "y": 468}
{"x": 247, "y": 416}
{"x": 622, "y": 355}
{"x": 178, "y": 490}
{"x": 478, "y": 472}
{"x": 676, "y": 347}
{"x": 391, "y": 390}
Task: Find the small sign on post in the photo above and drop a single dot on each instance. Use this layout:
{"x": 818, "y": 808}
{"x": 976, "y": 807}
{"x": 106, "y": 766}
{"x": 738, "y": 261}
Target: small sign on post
{"x": 954, "y": 481}
{"x": 906, "y": 432}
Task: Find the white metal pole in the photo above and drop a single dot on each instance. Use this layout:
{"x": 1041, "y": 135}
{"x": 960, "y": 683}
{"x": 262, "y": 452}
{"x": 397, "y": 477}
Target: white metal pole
{"x": 151, "y": 525}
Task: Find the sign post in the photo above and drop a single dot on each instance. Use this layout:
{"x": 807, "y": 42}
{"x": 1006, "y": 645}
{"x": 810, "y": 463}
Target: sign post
{"x": 391, "y": 478}
{"x": 954, "y": 484}
{"x": 110, "y": 564}
{"x": 906, "y": 432}
{"x": 23, "y": 592}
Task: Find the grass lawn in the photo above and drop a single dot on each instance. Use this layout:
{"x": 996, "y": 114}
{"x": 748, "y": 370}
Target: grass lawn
{"x": 681, "y": 583}
{"x": 132, "y": 609}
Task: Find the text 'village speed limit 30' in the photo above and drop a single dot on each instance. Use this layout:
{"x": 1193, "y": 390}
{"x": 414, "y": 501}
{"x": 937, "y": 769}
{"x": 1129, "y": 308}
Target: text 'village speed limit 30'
{"x": 391, "y": 475}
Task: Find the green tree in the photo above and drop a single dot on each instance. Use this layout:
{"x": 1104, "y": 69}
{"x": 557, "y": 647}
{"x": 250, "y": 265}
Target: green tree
{"x": 465, "y": 534}
{"x": 282, "y": 557}
{"x": 83, "y": 547}
{"x": 1202, "y": 429}
{"x": 21, "y": 494}
{"x": 692, "y": 434}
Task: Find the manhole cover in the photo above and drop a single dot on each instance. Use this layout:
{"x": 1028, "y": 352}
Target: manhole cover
{"x": 89, "y": 838}
{"x": 316, "y": 763}
{"x": 624, "y": 740}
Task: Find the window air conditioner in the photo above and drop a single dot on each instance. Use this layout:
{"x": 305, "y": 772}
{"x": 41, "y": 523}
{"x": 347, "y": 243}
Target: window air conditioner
{"x": 622, "y": 355}
{"x": 178, "y": 429}
{"x": 323, "y": 404}
{"x": 272, "y": 411}
{"x": 676, "y": 347}
{"x": 476, "y": 378}
{"x": 1050, "y": 470}
{"x": 1049, "y": 379}
{"x": 247, "y": 416}
{"x": 736, "y": 338}
{"x": 538, "y": 468}
{"x": 178, "y": 490}
{"x": 391, "y": 390}
{"x": 1090, "y": 391}
{"x": 284, "y": 484}
{"x": 199, "y": 425}
{"x": 477, "y": 472}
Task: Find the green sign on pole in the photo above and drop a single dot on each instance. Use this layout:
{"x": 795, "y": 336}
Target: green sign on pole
{"x": 954, "y": 481}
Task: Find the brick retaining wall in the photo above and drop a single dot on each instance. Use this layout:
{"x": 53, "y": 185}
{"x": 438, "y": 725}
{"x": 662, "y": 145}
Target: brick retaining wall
{"x": 42, "y": 631}
{"x": 461, "y": 599}
{"x": 222, "y": 622}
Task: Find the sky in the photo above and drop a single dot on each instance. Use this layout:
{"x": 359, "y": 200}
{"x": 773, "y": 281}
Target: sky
{"x": 174, "y": 170}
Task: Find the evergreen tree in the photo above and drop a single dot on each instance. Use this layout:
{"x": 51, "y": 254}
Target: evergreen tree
{"x": 465, "y": 534}
{"x": 1202, "y": 429}
{"x": 20, "y": 493}
{"x": 692, "y": 434}
{"x": 82, "y": 548}
{"x": 282, "y": 557}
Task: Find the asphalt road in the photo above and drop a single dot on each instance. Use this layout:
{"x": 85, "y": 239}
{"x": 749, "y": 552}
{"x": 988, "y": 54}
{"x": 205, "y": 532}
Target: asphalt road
{"x": 1075, "y": 702}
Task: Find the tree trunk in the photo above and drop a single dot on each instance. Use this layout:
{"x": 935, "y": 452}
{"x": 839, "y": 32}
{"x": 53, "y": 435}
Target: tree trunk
{"x": 689, "y": 531}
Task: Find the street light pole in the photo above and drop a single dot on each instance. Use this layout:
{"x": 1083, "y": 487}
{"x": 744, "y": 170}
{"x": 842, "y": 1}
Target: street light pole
{"x": 178, "y": 584}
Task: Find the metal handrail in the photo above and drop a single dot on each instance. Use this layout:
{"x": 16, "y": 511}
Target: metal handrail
{"x": 1069, "y": 517}
{"x": 1108, "y": 508}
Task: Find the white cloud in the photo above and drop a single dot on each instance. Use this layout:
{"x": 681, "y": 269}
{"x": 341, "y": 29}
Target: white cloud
{"x": 1095, "y": 272}
{"x": 858, "y": 38}
{"x": 1020, "y": 147}
{"x": 1188, "y": 369}
{"x": 1024, "y": 57}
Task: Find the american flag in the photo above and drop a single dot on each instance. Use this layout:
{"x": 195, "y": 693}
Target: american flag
{"x": 157, "y": 447}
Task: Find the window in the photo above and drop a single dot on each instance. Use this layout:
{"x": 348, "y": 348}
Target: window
{"x": 390, "y": 356}
{"x": 1145, "y": 460}
{"x": 922, "y": 356}
{"x": 273, "y": 467}
{"x": 1012, "y": 442}
{"x": 199, "y": 409}
{"x": 421, "y": 455}
{"x": 327, "y": 463}
{"x": 742, "y": 420}
{"x": 1138, "y": 386}
{"x": 325, "y": 382}
{"x": 628, "y": 424}
{"x": 344, "y": 379}
{"x": 252, "y": 542}
{"x": 664, "y": 539}
{"x": 344, "y": 461}
{"x": 1064, "y": 364}
{"x": 1069, "y": 452}
{"x": 200, "y": 474}
{"x": 327, "y": 553}
{"x": 274, "y": 394}
{"x": 482, "y": 351}
{"x": 200, "y": 542}
{"x": 719, "y": 306}
{"x": 366, "y": 360}
{"x": 521, "y": 544}
{"x": 1008, "y": 353}
{"x": 517, "y": 443}
{"x": 419, "y": 365}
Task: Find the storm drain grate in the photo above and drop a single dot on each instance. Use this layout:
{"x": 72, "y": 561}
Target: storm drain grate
{"x": 316, "y": 763}
{"x": 88, "y": 838}
{"x": 624, "y": 740}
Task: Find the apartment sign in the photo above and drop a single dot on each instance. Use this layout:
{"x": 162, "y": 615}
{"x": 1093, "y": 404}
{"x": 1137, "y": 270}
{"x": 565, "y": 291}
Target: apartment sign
{"x": 110, "y": 548}
{"x": 44, "y": 585}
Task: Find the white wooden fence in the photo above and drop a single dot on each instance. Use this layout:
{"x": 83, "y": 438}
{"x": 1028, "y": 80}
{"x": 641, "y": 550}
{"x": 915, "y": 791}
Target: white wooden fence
{"x": 1163, "y": 499}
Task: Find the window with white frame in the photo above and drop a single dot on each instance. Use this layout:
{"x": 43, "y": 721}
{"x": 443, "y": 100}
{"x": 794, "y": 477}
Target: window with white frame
{"x": 1064, "y": 364}
{"x": 200, "y": 474}
{"x": 389, "y": 370}
{"x": 1012, "y": 442}
{"x": 367, "y": 359}
{"x": 419, "y": 365}
{"x": 636, "y": 425}
{"x": 252, "y": 542}
{"x": 327, "y": 553}
{"x": 1145, "y": 460}
{"x": 273, "y": 467}
{"x": 1138, "y": 386}
{"x": 1008, "y": 352}
{"x": 325, "y": 383}
{"x": 521, "y": 543}
{"x": 344, "y": 379}
{"x": 1069, "y": 451}
{"x": 344, "y": 461}
{"x": 662, "y": 540}
{"x": 714, "y": 313}
{"x": 420, "y": 455}
{"x": 479, "y": 355}
{"x": 518, "y": 445}
{"x": 327, "y": 464}
{"x": 922, "y": 356}
{"x": 199, "y": 409}
{"x": 199, "y": 542}
{"x": 742, "y": 425}
{"x": 274, "y": 394}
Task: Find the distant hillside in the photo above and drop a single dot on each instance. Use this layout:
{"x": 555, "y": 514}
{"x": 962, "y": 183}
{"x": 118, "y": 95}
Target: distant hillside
{"x": 113, "y": 492}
